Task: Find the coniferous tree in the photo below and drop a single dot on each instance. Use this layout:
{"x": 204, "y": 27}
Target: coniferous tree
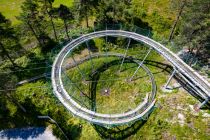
{"x": 180, "y": 4}
{"x": 110, "y": 11}
{"x": 66, "y": 15}
{"x": 86, "y": 8}
{"x": 195, "y": 26}
{"x": 48, "y": 8}
{"x": 29, "y": 18}
{"x": 35, "y": 21}
{"x": 9, "y": 42}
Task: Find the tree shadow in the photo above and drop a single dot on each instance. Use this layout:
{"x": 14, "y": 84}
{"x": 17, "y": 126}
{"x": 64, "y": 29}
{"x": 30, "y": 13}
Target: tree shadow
{"x": 92, "y": 46}
{"x": 34, "y": 66}
{"x": 138, "y": 22}
{"x": 20, "y": 118}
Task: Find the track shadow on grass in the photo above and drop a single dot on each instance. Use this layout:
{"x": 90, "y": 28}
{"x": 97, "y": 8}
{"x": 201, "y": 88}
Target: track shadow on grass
{"x": 119, "y": 132}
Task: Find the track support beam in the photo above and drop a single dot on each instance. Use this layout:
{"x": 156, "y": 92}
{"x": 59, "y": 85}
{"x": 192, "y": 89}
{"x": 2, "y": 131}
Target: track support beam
{"x": 129, "y": 41}
{"x": 170, "y": 78}
{"x": 80, "y": 71}
{"x": 150, "y": 49}
{"x": 91, "y": 61}
{"x": 203, "y": 103}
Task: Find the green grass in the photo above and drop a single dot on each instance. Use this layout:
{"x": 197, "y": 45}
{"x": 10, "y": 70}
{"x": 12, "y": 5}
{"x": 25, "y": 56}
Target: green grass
{"x": 68, "y": 3}
{"x": 12, "y": 8}
{"x": 158, "y": 14}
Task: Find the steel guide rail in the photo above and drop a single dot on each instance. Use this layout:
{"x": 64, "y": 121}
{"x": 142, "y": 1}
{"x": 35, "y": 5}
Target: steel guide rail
{"x": 201, "y": 85}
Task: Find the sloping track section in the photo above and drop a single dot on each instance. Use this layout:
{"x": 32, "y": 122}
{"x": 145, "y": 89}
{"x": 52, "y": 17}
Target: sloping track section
{"x": 198, "y": 84}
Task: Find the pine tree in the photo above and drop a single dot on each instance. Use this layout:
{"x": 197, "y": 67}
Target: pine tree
{"x": 9, "y": 43}
{"x": 181, "y": 5}
{"x": 195, "y": 27}
{"x": 29, "y": 18}
{"x": 66, "y": 15}
{"x": 35, "y": 21}
{"x": 48, "y": 9}
{"x": 86, "y": 8}
{"x": 110, "y": 11}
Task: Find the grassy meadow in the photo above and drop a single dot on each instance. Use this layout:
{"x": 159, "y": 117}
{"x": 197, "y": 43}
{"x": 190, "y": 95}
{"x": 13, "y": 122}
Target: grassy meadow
{"x": 12, "y": 8}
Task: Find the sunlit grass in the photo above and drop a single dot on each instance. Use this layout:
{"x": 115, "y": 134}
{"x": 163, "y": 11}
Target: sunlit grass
{"x": 10, "y": 9}
{"x": 68, "y": 3}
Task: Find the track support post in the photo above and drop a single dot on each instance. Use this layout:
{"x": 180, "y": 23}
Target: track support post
{"x": 203, "y": 103}
{"x": 129, "y": 41}
{"x": 150, "y": 49}
{"x": 79, "y": 70}
{"x": 91, "y": 61}
{"x": 170, "y": 78}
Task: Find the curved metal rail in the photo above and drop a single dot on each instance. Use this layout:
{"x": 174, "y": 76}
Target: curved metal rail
{"x": 111, "y": 119}
{"x": 201, "y": 86}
